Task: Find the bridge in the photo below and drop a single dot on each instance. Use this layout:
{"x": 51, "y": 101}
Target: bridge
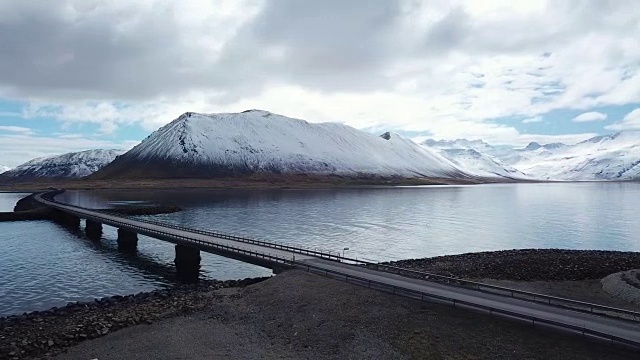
{"x": 613, "y": 325}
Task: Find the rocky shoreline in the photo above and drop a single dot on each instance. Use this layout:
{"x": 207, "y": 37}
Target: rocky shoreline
{"x": 528, "y": 264}
{"x": 28, "y": 209}
{"x": 47, "y": 333}
{"x": 297, "y": 315}
{"x": 44, "y": 333}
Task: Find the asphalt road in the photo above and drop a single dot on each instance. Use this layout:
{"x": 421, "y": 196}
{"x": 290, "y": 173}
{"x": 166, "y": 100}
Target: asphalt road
{"x": 615, "y": 327}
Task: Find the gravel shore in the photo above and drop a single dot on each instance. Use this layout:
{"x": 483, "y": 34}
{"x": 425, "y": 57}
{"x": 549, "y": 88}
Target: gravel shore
{"x": 296, "y": 315}
{"x": 528, "y": 264}
{"x": 43, "y": 333}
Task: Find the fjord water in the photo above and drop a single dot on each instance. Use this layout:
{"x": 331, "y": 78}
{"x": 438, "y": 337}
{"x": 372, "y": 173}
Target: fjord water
{"x": 46, "y": 265}
{"x": 8, "y": 200}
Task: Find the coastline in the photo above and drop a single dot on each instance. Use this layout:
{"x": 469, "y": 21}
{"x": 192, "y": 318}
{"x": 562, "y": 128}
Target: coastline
{"x": 27, "y": 209}
{"x": 247, "y": 182}
{"x": 68, "y": 328}
{"x": 48, "y": 332}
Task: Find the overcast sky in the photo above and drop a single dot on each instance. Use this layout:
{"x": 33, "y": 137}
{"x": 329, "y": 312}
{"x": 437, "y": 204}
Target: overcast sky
{"x": 88, "y": 74}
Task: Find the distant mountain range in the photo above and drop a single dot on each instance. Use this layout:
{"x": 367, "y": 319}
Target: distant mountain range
{"x": 259, "y": 142}
{"x": 67, "y": 166}
{"x": 235, "y": 144}
{"x": 606, "y": 157}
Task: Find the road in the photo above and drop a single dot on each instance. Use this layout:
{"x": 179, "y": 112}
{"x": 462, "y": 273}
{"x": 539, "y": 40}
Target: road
{"x": 613, "y": 327}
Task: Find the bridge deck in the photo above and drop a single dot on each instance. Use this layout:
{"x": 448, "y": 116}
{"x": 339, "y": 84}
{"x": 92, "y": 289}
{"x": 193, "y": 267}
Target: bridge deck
{"x": 610, "y": 328}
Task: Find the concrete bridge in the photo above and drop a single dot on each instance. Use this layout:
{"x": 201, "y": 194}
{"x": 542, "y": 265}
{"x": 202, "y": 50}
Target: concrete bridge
{"x": 594, "y": 321}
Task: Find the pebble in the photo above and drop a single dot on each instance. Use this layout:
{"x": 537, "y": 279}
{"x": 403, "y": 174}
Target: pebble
{"x": 34, "y": 334}
{"x": 528, "y": 264}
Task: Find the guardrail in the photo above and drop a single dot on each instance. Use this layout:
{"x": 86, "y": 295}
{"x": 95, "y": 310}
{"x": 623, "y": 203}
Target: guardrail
{"x": 577, "y": 305}
{"x": 184, "y": 239}
{"x": 296, "y": 249}
{"x": 401, "y": 291}
{"x": 494, "y": 289}
{"x": 415, "y": 294}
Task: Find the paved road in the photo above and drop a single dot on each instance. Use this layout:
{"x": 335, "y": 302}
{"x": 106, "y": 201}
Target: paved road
{"x": 615, "y": 327}
{"x": 620, "y": 328}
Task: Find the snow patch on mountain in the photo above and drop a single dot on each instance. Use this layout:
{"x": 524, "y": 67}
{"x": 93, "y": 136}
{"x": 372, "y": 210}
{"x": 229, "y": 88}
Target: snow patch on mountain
{"x": 481, "y": 165}
{"x": 70, "y": 165}
{"x": 469, "y": 156}
{"x": 256, "y": 141}
{"x": 478, "y": 145}
{"x": 4, "y": 168}
{"x": 607, "y": 157}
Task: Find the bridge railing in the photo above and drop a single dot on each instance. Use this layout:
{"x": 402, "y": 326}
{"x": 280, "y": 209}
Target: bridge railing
{"x": 449, "y": 280}
{"x": 397, "y": 290}
{"x": 291, "y": 248}
{"x": 415, "y": 294}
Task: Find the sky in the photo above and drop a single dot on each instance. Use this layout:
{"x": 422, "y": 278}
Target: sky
{"x": 82, "y": 74}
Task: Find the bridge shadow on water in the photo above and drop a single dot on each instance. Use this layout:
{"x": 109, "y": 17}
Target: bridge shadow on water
{"x": 148, "y": 266}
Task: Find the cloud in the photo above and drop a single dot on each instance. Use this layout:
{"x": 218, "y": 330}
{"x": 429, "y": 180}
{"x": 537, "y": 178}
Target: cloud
{"x": 16, "y": 129}
{"x": 590, "y": 116}
{"x": 19, "y": 148}
{"x": 426, "y": 66}
{"x": 631, "y": 121}
{"x": 536, "y": 119}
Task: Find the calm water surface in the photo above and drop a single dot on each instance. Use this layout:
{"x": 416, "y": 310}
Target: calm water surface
{"x": 46, "y": 265}
{"x": 8, "y": 200}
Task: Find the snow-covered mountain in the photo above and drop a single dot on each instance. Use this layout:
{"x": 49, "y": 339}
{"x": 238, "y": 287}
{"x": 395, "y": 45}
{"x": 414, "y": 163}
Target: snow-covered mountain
{"x": 71, "y": 165}
{"x": 478, "y": 145}
{"x": 4, "y": 168}
{"x": 473, "y": 157}
{"x": 255, "y": 141}
{"x": 481, "y": 165}
{"x": 606, "y": 157}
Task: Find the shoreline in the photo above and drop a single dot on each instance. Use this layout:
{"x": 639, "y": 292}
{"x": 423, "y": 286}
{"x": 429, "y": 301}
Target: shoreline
{"x": 248, "y": 182}
{"x": 58, "y": 329}
{"x": 299, "y": 315}
{"x": 527, "y": 264}
{"x": 48, "y": 332}
{"x": 26, "y": 209}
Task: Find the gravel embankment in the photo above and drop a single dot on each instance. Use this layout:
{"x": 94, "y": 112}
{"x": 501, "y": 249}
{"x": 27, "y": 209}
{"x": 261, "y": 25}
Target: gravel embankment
{"x": 624, "y": 285}
{"x": 528, "y": 264}
{"x": 48, "y": 332}
{"x": 296, "y": 315}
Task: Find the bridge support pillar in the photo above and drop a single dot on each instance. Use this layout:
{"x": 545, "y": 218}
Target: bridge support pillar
{"x": 93, "y": 229}
{"x": 187, "y": 263}
{"x": 127, "y": 240}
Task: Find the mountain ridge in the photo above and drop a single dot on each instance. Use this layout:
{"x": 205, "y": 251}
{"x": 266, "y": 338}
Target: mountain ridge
{"x": 257, "y": 141}
{"x": 605, "y": 157}
{"x": 72, "y": 165}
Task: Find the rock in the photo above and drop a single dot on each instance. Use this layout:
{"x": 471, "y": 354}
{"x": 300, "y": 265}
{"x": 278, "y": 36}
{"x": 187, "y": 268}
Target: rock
{"x": 75, "y": 322}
